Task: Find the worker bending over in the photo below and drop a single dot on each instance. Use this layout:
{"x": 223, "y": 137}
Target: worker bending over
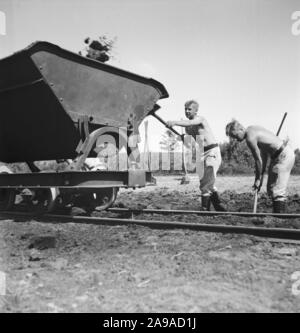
{"x": 264, "y": 144}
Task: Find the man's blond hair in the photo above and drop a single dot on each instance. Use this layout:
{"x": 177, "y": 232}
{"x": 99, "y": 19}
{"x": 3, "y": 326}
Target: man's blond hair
{"x": 190, "y": 102}
{"x": 232, "y": 126}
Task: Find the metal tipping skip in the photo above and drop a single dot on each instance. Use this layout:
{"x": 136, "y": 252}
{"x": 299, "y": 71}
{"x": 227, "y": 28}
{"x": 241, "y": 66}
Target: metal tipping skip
{"x": 56, "y": 105}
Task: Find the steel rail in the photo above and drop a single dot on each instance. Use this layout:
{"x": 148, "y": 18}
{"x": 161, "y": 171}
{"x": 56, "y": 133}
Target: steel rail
{"x": 203, "y": 213}
{"x": 281, "y": 233}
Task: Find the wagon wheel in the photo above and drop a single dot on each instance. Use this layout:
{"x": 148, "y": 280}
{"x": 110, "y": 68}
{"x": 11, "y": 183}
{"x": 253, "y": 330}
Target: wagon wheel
{"x": 105, "y": 197}
{"x": 7, "y": 198}
{"x": 99, "y": 199}
{"x": 44, "y": 199}
{"x": 7, "y": 195}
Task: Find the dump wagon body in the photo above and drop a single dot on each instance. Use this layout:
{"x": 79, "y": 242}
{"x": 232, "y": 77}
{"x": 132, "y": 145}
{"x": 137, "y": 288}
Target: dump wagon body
{"x": 46, "y": 92}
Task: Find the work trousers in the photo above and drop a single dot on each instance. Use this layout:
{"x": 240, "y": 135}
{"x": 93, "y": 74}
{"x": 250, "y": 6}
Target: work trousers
{"x": 212, "y": 161}
{"x": 279, "y": 173}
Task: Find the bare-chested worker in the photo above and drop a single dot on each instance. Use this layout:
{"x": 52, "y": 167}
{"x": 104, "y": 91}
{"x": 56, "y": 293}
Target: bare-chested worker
{"x": 264, "y": 144}
{"x": 198, "y": 125}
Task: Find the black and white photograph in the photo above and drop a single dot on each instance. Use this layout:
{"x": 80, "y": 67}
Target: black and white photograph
{"x": 149, "y": 159}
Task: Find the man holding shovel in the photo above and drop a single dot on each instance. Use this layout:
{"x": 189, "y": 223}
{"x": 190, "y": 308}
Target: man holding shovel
{"x": 198, "y": 126}
{"x": 263, "y": 145}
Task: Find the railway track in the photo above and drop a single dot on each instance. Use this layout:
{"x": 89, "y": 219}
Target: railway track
{"x": 283, "y": 234}
{"x": 201, "y": 213}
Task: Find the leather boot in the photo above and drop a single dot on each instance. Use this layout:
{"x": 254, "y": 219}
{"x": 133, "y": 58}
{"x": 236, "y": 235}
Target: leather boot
{"x": 217, "y": 202}
{"x": 279, "y": 206}
{"x": 205, "y": 202}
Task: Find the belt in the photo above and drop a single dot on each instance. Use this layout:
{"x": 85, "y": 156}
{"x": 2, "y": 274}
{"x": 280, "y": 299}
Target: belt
{"x": 279, "y": 151}
{"x": 206, "y": 148}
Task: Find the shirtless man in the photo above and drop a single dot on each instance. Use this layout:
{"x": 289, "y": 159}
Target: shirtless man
{"x": 197, "y": 125}
{"x": 264, "y": 144}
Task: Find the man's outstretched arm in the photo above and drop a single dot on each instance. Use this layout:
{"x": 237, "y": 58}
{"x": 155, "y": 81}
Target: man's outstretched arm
{"x": 185, "y": 123}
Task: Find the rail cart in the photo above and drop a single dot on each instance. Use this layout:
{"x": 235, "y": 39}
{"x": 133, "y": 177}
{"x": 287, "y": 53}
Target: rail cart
{"x": 58, "y": 105}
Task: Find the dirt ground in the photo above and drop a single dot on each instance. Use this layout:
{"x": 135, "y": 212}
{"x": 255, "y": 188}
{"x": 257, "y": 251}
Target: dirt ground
{"x": 92, "y": 268}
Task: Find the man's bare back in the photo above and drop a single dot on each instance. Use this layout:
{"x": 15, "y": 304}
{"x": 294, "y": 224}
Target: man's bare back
{"x": 266, "y": 141}
{"x": 264, "y": 144}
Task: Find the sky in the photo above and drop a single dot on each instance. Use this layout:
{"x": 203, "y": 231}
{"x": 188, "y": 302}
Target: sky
{"x": 238, "y": 58}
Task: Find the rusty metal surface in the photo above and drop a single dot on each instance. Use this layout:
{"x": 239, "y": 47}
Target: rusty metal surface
{"x": 45, "y": 91}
